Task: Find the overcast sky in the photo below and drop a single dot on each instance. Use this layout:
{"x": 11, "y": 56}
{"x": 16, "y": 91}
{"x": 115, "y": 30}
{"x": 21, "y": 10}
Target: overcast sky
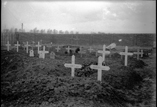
{"x": 81, "y": 16}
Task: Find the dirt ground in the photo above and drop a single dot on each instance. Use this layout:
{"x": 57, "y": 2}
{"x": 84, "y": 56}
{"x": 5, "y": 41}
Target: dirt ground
{"x": 152, "y": 65}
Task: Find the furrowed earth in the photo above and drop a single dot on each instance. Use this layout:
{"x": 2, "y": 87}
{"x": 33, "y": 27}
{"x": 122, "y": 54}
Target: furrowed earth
{"x": 33, "y": 82}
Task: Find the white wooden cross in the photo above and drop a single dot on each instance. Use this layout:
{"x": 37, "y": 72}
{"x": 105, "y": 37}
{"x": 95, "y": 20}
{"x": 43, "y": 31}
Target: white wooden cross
{"x": 8, "y": 45}
{"x": 103, "y": 52}
{"x": 126, "y": 54}
{"x": 82, "y": 51}
{"x": 141, "y": 53}
{"x": 68, "y": 49}
{"x": 27, "y": 47}
{"x": 90, "y": 49}
{"x": 42, "y": 53}
{"x": 100, "y": 67}
{"x": 58, "y": 48}
{"x": 38, "y": 46}
{"x": 73, "y": 65}
{"x": 138, "y": 53}
{"x": 17, "y": 45}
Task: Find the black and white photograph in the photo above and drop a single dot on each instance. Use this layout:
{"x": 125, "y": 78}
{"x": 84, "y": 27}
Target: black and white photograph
{"x": 75, "y": 53}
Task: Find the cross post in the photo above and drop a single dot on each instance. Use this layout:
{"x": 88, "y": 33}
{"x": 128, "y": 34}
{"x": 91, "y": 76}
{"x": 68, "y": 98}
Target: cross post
{"x": 103, "y": 52}
{"x": 27, "y": 47}
{"x": 38, "y": 46}
{"x": 42, "y": 53}
{"x": 17, "y": 45}
{"x": 81, "y": 51}
{"x": 141, "y": 53}
{"x": 126, "y": 54}
{"x": 73, "y": 66}
{"x": 90, "y": 49}
{"x": 138, "y": 53}
{"x": 68, "y": 49}
{"x": 8, "y": 45}
{"x": 58, "y": 48}
{"x": 99, "y": 67}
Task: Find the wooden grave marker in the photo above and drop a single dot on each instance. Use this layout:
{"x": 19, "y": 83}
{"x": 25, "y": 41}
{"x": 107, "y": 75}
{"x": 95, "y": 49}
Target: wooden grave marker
{"x": 104, "y": 52}
{"x": 58, "y": 48}
{"x": 73, "y": 65}
{"x": 8, "y": 45}
{"x": 126, "y": 55}
{"x": 90, "y": 49}
{"x": 38, "y": 46}
{"x": 68, "y": 49}
{"x": 99, "y": 67}
{"x": 141, "y": 53}
{"x": 27, "y": 47}
{"x": 110, "y": 47}
{"x": 17, "y": 46}
{"x": 82, "y": 51}
{"x": 42, "y": 53}
{"x": 138, "y": 53}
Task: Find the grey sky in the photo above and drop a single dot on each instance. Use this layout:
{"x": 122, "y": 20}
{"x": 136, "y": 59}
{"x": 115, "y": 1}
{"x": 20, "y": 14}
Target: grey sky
{"x": 82, "y": 16}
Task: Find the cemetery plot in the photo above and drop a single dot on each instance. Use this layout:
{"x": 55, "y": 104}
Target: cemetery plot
{"x": 47, "y": 82}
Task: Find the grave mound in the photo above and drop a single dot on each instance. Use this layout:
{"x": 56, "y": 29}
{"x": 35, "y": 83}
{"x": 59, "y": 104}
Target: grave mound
{"x": 33, "y": 81}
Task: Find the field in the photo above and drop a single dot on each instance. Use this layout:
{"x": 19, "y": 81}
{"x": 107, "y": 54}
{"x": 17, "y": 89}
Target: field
{"x": 142, "y": 40}
{"x": 33, "y": 82}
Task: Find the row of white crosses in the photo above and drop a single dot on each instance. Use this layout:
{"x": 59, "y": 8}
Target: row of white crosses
{"x": 126, "y": 53}
{"x": 41, "y": 53}
{"x": 139, "y": 53}
{"x": 17, "y": 46}
{"x": 103, "y": 52}
{"x": 98, "y": 67}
